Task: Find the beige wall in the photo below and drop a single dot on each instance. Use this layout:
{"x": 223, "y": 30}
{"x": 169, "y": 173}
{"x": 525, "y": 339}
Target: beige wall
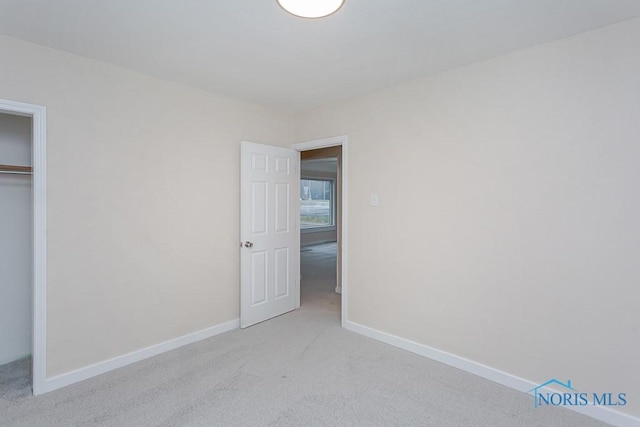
{"x": 143, "y": 201}
{"x": 507, "y": 231}
{"x": 15, "y": 240}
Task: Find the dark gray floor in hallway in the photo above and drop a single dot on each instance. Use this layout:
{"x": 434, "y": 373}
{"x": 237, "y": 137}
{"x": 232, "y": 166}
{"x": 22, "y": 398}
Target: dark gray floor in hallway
{"x": 298, "y": 369}
{"x": 318, "y": 270}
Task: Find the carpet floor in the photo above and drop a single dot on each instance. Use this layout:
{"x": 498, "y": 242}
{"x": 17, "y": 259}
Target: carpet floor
{"x": 298, "y": 369}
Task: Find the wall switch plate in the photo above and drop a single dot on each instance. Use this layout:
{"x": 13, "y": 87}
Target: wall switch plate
{"x": 373, "y": 200}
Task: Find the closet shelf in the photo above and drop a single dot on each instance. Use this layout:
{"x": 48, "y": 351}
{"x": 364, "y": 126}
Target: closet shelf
{"x": 16, "y": 169}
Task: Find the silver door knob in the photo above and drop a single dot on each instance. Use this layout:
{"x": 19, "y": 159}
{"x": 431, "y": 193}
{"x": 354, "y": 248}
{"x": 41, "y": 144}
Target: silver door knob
{"x": 248, "y": 244}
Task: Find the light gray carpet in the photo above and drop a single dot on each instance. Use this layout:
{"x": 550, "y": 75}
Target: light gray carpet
{"x": 298, "y": 369}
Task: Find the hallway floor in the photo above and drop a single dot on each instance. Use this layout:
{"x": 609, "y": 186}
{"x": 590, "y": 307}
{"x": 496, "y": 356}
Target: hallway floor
{"x": 318, "y": 270}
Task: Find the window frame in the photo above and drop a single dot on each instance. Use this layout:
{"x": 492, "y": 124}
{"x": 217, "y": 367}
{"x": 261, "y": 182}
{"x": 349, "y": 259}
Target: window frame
{"x": 332, "y": 205}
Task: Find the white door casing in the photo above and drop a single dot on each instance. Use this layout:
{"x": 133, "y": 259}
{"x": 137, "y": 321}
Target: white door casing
{"x": 270, "y": 240}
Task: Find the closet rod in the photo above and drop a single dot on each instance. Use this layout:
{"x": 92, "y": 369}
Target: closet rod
{"x": 18, "y": 170}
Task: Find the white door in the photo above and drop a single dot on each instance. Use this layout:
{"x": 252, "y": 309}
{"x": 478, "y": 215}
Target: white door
{"x": 270, "y": 238}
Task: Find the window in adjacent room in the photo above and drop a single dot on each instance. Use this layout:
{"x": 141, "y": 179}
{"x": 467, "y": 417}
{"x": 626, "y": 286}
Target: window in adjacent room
{"x": 316, "y": 203}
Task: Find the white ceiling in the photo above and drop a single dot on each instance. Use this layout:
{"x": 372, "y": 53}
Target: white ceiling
{"x": 252, "y": 50}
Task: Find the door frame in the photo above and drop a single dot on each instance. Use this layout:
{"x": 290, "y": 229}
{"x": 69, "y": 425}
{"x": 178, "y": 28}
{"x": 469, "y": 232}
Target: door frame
{"x": 39, "y": 193}
{"x": 335, "y": 141}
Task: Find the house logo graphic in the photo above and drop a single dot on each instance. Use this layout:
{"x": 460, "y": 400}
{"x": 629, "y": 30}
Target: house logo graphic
{"x": 538, "y": 391}
{"x": 569, "y": 396}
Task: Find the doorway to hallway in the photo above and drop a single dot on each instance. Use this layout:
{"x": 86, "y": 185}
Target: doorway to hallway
{"x": 260, "y": 283}
{"x": 318, "y": 270}
{"x": 308, "y": 150}
{"x": 320, "y": 228}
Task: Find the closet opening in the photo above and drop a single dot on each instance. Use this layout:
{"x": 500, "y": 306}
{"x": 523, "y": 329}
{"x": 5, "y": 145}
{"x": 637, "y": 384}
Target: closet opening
{"x": 16, "y": 248}
{"x": 23, "y": 247}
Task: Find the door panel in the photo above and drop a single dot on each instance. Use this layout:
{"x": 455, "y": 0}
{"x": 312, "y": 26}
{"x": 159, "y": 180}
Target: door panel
{"x": 282, "y": 268}
{"x": 283, "y": 206}
{"x": 258, "y": 278}
{"x": 259, "y": 196}
{"x": 269, "y": 270}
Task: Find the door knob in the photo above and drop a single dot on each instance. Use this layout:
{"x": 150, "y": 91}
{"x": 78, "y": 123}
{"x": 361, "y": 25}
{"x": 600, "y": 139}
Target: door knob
{"x": 248, "y": 244}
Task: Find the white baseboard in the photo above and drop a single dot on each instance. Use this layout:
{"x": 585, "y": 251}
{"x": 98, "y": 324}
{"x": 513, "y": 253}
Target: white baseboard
{"x": 338, "y": 289}
{"x": 598, "y": 412}
{"x": 81, "y": 374}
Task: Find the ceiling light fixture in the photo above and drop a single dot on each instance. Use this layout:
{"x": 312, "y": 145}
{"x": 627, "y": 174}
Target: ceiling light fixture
{"x": 311, "y": 8}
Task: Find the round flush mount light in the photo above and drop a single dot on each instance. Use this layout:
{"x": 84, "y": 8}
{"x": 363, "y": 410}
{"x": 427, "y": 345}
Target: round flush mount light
{"x": 311, "y": 8}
